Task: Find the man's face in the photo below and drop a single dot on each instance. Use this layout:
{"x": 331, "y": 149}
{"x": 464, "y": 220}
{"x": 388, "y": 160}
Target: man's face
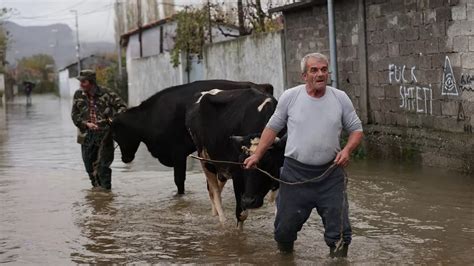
{"x": 86, "y": 85}
{"x": 317, "y": 74}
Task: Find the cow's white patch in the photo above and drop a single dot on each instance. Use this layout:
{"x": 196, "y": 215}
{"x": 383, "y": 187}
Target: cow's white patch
{"x": 212, "y": 92}
{"x": 214, "y": 187}
{"x": 253, "y": 146}
{"x": 260, "y": 107}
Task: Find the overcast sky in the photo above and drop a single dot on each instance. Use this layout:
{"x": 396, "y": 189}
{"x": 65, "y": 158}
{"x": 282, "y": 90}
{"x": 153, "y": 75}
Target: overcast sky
{"x": 96, "y": 17}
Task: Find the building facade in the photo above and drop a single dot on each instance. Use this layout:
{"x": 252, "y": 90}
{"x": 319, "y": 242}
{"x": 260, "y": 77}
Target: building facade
{"x": 408, "y": 67}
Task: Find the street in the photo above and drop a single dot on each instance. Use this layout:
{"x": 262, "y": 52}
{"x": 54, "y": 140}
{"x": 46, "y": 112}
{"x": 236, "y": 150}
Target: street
{"x": 400, "y": 213}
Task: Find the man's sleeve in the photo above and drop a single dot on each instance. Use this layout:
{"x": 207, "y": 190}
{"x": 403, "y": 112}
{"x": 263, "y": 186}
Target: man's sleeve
{"x": 76, "y": 112}
{"x": 278, "y": 120}
{"x": 350, "y": 121}
{"x": 118, "y": 104}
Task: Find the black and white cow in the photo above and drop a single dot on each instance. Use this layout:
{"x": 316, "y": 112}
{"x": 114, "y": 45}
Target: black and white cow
{"x": 226, "y": 126}
{"x": 159, "y": 122}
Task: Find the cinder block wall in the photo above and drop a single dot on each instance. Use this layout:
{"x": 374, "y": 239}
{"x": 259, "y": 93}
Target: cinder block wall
{"x": 419, "y": 59}
{"x": 408, "y": 66}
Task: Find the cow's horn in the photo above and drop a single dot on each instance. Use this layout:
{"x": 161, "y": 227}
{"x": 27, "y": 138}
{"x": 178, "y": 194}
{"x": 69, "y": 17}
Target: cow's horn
{"x": 237, "y": 138}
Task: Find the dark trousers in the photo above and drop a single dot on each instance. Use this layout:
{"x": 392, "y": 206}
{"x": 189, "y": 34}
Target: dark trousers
{"x": 28, "y": 99}
{"x": 295, "y": 202}
{"x": 98, "y": 155}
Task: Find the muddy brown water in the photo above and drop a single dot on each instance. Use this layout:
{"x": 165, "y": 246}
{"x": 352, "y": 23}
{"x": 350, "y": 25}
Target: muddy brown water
{"x": 401, "y": 214}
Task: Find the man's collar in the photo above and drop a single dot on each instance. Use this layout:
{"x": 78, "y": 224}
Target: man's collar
{"x": 93, "y": 91}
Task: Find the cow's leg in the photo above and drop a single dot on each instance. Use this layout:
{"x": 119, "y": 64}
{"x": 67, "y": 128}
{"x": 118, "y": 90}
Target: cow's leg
{"x": 180, "y": 174}
{"x": 214, "y": 188}
{"x": 240, "y": 213}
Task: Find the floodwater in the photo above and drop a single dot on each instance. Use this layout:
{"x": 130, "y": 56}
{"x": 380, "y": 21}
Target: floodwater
{"x": 400, "y": 214}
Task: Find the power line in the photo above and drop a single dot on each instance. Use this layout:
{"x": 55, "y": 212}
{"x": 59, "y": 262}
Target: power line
{"x": 65, "y": 16}
{"x": 106, "y": 25}
{"x": 55, "y": 12}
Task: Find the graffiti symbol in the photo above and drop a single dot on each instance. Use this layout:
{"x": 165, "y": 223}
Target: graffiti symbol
{"x": 466, "y": 82}
{"x": 461, "y": 115}
{"x": 449, "y": 83}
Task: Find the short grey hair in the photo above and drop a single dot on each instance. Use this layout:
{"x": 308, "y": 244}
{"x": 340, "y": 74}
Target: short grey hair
{"x": 312, "y": 55}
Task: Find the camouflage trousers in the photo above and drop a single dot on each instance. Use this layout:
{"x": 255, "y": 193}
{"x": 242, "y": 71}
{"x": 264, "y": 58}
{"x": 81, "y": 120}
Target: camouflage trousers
{"x": 98, "y": 155}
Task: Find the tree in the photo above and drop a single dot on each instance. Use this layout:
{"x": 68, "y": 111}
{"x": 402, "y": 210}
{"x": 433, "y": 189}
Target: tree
{"x": 38, "y": 69}
{"x": 194, "y": 23}
{"x": 190, "y": 34}
{"x": 107, "y": 75}
{"x": 249, "y": 16}
{"x": 3, "y": 39}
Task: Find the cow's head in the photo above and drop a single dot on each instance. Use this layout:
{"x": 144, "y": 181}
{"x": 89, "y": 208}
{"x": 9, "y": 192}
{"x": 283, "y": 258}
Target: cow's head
{"x": 258, "y": 184}
{"x": 126, "y": 135}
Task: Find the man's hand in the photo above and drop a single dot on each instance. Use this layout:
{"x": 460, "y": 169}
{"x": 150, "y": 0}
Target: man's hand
{"x": 342, "y": 158}
{"x": 251, "y": 161}
{"x": 92, "y": 126}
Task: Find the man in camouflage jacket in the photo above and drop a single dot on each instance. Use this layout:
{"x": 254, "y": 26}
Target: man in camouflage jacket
{"x": 93, "y": 109}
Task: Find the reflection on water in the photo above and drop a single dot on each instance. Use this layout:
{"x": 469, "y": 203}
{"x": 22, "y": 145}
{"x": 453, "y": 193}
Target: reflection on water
{"x": 401, "y": 214}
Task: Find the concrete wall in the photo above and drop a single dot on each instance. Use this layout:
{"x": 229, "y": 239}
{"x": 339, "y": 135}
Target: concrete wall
{"x": 67, "y": 85}
{"x": 254, "y": 58}
{"x": 257, "y": 58}
{"x": 149, "y": 75}
{"x": 64, "y": 83}
{"x": 408, "y": 66}
{"x": 306, "y": 31}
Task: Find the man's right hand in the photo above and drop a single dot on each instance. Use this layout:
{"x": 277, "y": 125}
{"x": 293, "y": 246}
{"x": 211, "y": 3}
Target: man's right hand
{"x": 92, "y": 126}
{"x": 251, "y": 161}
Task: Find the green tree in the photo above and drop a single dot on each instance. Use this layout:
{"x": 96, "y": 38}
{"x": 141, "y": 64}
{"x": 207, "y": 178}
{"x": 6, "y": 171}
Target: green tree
{"x": 250, "y": 16}
{"x": 193, "y": 26}
{"x": 190, "y": 34}
{"x": 108, "y": 76}
{"x": 3, "y": 39}
{"x": 38, "y": 69}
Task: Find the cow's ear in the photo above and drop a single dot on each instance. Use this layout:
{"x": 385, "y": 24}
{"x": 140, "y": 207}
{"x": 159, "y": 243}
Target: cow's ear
{"x": 268, "y": 88}
{"x": 237, "y": 139}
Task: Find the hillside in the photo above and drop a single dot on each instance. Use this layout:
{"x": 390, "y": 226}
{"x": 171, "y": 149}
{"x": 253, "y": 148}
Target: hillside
{"x": 57, "y": 40}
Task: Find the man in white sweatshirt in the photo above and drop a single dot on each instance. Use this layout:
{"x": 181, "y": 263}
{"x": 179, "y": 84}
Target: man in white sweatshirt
{"x": 314, "y": 114}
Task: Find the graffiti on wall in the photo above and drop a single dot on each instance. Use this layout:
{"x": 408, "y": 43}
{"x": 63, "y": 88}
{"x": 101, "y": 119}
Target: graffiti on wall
{"x": 448, "y": 85}
{"x": 413, "y": 96}
{"x": 399, "y": 75}
{"x": 466, "y": 82}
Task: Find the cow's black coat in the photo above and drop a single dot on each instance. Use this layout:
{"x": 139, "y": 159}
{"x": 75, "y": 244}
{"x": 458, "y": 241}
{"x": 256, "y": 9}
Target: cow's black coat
{"x": 215, "y": 119}
{"x": 159, "y": 122}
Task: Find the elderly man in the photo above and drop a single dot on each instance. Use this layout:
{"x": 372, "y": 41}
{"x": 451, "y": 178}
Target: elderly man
{"x": 93, "y": 108}
{"x": 315, "y": 115}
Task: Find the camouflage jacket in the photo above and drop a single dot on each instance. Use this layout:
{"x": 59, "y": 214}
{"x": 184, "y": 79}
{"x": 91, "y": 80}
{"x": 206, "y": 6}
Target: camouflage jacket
{"x": 108, "y": 105}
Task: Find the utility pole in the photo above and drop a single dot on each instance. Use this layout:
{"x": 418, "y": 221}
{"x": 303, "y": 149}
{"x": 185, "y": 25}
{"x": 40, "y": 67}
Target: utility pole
{"x": 139, "y": 25}
{"x": 119, "y": 32}
{"x": 78, "y": 50}
{"x": 240, "y": 15}
{"x": 209, "y": 18}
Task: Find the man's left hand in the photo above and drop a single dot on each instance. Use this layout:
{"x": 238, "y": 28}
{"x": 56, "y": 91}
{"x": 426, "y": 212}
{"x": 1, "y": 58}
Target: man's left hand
{"x": 342, "y": 158}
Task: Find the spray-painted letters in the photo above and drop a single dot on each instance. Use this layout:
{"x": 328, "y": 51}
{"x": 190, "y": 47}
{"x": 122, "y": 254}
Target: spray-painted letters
{"x": 413, "y": 97}
{"x": 398, "y": 74}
